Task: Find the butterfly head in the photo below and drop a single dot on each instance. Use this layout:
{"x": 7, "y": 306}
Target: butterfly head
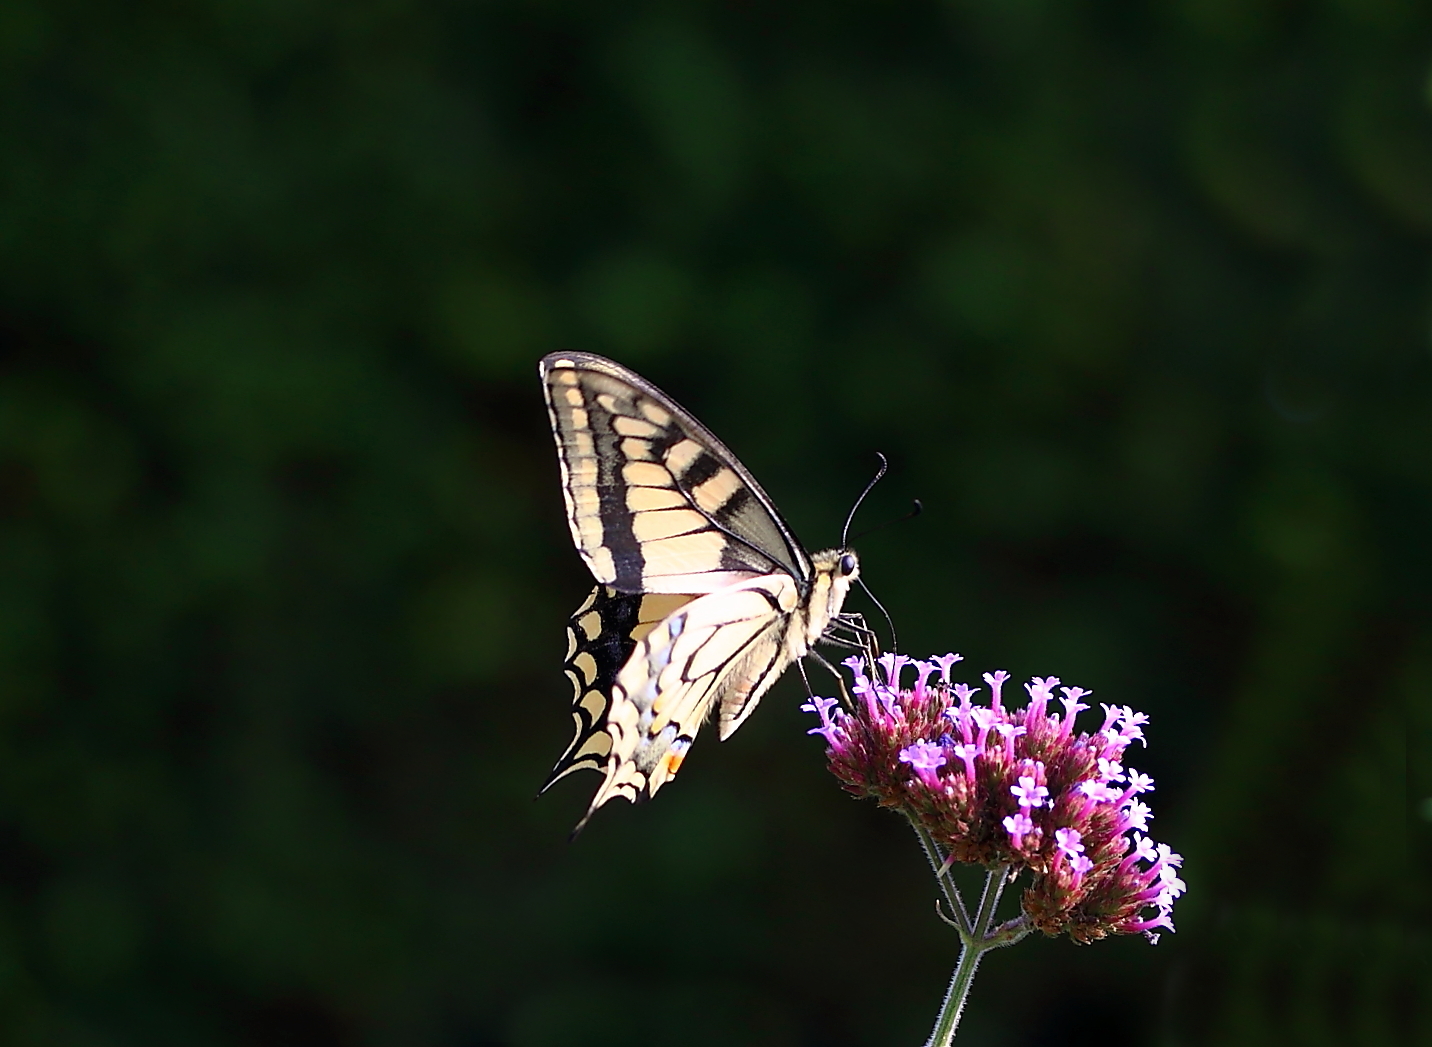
{"x": 833, "y": 572}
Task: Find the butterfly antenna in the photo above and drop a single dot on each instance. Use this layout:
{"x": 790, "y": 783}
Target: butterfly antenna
{"x": 894, "y": 642}
{"x": 917, "y": 507}
{"x": 884, "y": 465}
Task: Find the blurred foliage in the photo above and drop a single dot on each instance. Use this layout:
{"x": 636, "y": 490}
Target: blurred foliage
{"x": 1134, "y": 295}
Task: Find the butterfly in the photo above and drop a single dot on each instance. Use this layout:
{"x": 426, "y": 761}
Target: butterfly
{"x": 703, "y": 596}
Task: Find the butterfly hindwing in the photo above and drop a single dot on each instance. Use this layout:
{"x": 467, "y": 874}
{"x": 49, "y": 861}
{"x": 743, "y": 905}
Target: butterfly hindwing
{"x": 721, "y": 650}
{"x": 601, "y": 635}
{"x": 655, "y": 502}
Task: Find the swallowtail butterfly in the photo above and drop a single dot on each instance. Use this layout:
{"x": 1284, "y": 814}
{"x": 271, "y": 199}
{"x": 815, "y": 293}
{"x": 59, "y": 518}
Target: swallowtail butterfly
{"x": 703, "y": 594}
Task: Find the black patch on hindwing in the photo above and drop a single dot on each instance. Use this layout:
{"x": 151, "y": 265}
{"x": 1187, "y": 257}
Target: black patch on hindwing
{"x": 609, "y": 645}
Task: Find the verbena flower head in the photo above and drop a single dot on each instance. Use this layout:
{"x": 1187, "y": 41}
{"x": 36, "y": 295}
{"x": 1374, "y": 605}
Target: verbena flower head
{"x": 1015, "y": 787}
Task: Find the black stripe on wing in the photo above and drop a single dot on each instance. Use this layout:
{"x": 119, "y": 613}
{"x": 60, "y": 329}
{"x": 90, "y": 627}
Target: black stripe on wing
{"x": 601, "y": 635}
{"x": 722, "y": 649}
{"x": 599, "y": 641}
{"x": 655, "y": 501}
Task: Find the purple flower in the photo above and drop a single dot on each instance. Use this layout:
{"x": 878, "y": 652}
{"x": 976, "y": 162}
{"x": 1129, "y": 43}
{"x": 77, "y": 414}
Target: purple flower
{"x": 1030, "y": 792}
{"x": 856, "y": 665}
{"x": 922, "y": 673}
{"x": 1139, "y": 783}
{"x": 983, "y": 719}
{"x": 1018, "y": 825}
{"x": 1138, "y": 815}
{"x": 1144, "y": 848}
{"x": 946, "y": 662}
{"x": 1040, "y": 691}
{"x": 1072, "y": 707}
{"x": 923, "y": 756}
{"x": 1170, "y": 887}
{"x": 892, "y": 664}
{"x": 1110, "y": 770}
{"x": 1009, "y": 732}
{"x": 967, "y": 753}
{"x": 1130, "y": 723}
{"x": 1098, "y": 792}
{"x": 822, "y": 707}
{"x": 996, "y": 685}
{"x": 1067, "y": 840}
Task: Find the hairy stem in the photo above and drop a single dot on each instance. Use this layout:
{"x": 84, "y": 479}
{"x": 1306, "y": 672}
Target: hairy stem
{"x": 943, "y": 878}
{"x": 976, "y": 939}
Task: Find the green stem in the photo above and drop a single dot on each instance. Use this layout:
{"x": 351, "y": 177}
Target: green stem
{"x": 943, "y": 878}
{"x": 954, "y": 1005}
{"x": 975, "y": 942}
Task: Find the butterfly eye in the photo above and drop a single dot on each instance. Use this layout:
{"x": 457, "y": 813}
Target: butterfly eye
{"x": 847, "y": 563}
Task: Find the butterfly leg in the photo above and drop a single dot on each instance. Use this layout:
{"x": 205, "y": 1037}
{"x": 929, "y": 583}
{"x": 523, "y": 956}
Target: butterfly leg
{"x": 844, "y": 694}
{"x": 800, "y": 664}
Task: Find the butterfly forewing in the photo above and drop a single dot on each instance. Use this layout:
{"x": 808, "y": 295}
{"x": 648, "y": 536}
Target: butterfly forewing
{"x": 655, "y": 502}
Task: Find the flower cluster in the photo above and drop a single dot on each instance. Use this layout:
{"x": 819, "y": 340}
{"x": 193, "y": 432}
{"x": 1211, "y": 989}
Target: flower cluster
{"x": 1012, "y": 787}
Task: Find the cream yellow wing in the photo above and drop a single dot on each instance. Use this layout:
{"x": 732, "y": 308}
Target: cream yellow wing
{"x": 601, "y": 635}
{"x": 722, "y": 650}
{"x": 655, "y": 502}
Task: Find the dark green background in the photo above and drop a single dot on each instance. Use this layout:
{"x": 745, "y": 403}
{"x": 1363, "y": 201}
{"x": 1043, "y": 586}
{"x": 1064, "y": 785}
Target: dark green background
{"x": 1134, "y": 295}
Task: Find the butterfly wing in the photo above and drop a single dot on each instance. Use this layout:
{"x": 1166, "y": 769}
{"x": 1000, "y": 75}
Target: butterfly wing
{"x": 699, "y": 578}
{"x": 601, "y": 635}
{"x": 655, "y": 502}
{"x": 721, "y": 650}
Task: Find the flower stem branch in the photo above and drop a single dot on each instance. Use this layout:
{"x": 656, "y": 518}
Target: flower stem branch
{"x": 943, "y": 877}
{"x": 1009, "y": 932}
{"x": 976, "y": 939}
